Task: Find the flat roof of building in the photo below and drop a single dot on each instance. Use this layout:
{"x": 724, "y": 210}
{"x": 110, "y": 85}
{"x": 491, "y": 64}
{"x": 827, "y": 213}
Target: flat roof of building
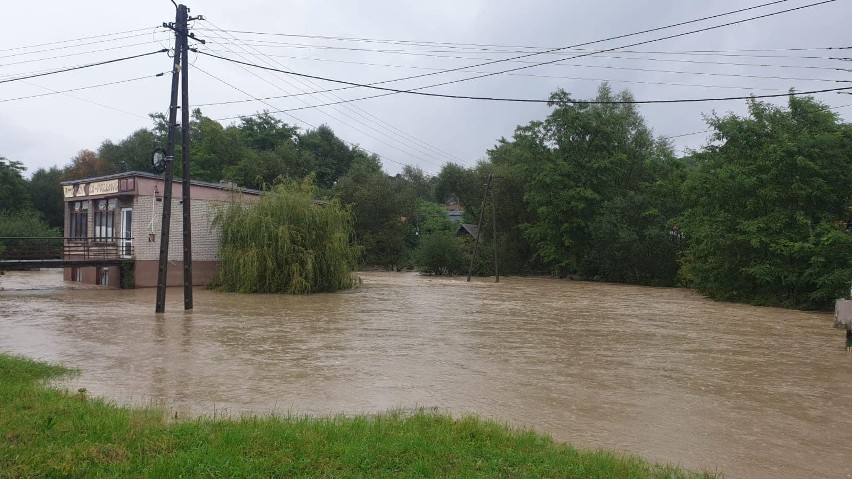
{"x": 145, "y": 174}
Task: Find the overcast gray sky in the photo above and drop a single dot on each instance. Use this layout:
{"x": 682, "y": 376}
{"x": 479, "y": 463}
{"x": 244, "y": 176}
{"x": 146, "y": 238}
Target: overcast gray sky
{"x": 383, "y": 40}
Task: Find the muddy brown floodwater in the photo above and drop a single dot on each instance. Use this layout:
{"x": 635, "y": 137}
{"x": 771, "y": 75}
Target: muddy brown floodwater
{"x": 663, "y": 373}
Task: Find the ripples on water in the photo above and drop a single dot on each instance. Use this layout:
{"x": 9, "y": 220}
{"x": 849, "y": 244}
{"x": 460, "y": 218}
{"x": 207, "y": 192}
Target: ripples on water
{"x": 664, "y": 373}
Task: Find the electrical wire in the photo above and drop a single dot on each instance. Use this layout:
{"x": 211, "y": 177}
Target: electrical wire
{"x": 672, "y": 60}
{"x": 351, "y": 145}
{"x": 80, "y": 67}
{"x": 516, "y": 100}
{"x": 565, "y": 53}
{"x": 608, "y": 80}
{"x": 56, "y": 92}
{"x": 66, "y": 55}
{"x": 109, "y": 107}
{"x": 626, "y": 46}
{"x": 491, "y": 46}
{"x": 552, "y": 50}
{"x": 671, "y": 137}
{"x": 415, "y": 151}
{"x": 71, "y": 46}
{"x": 75, "y": 39}
{"x": 592, "y": 66}
{"x": 415, "y": 90}
{"x": 410, "y": 140}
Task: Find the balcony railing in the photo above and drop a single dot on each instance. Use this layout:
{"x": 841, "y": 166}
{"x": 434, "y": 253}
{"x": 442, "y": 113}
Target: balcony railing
{"x": 53, "y": 248}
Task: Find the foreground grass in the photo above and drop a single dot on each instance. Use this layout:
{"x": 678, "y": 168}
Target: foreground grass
{"x": 48, "y": 433}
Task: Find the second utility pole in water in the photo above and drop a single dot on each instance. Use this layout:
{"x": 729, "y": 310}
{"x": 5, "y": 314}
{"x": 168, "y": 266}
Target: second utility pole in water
{"x": 184, "y": 124}
{"x": 181, "y": 69}
{"x": 165, "y": 230}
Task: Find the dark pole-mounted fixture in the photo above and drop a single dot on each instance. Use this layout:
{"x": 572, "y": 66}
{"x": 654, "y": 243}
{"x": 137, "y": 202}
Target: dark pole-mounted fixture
{"x": 158, "y": 160}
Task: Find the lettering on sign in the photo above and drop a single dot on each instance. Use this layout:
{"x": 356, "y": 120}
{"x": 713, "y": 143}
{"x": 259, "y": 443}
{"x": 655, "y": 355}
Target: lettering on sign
{"x": 103, "y": 187}
{"x": 68, "y": 191}
{"x": 81, "y": 190}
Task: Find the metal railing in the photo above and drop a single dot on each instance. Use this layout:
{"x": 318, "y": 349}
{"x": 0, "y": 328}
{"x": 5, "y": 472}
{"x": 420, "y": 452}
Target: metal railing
{"x": 53, "y": 248}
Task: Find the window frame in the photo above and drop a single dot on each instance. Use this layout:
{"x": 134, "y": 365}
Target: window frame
{"x": 78, "y": 227}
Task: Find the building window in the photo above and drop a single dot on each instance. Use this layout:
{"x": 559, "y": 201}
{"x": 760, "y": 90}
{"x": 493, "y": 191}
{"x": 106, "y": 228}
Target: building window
{"x": 79, "y": 219}
{"x": 104, "y": 215}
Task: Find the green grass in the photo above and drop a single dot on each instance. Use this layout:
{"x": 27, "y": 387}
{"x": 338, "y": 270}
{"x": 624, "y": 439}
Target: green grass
{"x": 45, "y": 432}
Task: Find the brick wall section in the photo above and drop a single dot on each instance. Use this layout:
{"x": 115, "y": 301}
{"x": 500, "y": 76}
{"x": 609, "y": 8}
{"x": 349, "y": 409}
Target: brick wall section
{"x": 205, "y": 237}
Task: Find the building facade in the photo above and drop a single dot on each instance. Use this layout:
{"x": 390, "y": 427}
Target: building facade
{"x": 120, "y": 216}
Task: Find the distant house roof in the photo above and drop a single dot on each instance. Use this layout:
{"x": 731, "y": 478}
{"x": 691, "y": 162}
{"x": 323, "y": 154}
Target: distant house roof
{"x": 469, "y": 229}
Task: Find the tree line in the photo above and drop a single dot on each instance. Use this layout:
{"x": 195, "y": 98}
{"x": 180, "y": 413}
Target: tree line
{"x": 757, "y": 215}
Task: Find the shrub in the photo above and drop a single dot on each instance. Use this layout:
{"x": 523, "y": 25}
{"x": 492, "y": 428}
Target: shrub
{"x": 286, "y": 243}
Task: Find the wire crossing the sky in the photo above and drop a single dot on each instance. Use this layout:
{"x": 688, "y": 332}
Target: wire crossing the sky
{"x": 80, "y": 67}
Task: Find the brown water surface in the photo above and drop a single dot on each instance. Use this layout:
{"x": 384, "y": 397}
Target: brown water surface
{"x": 663, "y": 373}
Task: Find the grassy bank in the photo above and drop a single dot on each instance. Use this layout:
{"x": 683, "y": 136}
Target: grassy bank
{"x": 48, "y": 433}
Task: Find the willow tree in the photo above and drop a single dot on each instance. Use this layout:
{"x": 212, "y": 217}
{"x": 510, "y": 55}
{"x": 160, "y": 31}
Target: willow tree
{"x": 286, "y": 242}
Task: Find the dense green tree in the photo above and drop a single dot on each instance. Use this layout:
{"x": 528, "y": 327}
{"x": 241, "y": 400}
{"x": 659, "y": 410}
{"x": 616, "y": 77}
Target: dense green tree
{"x": 132, "y": 153}
{"x": 378, "y": 211}
{"x": 767, "y": 205}
{"x": 332, "y": 157}
{"x": 45, "y": 189}
{"x": 213, "y": 149}
{"x": 587, "y": 176}
{"x": 14, "y": 194}
{"x": 515, "y": 253}
{"x": 466, "y": 185}
{"x": 264, "y": 132}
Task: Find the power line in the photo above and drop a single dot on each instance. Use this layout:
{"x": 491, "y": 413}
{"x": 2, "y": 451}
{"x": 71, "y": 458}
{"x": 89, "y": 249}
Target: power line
{"x": 89, "y": 52}
{"x": 600, "y": 41}
{"x": 516, "y": 100}
{"x": 670, "y": 137}
{"x": 552, "y": 50}
{"x": 411, "y": 141}
{"x": 579, "y": 65}
{"x": 630, "y": 45}
{"x": 56, "y": 92}
{"x": 703, "y": 62}
{"x": 116, "y": 60}
{"x": 609, "y": 80}
{"x": 297, "y": 119}
{"x": 71, "y": 46}
{"x": 415, "y": 90}
{"x": 109, "y": 107}
{"x": 415, "y": 150}
{"x": 288, "y": 114}
{"x": 76, "y": 39}
{"x": 491, "y": 46}
{"x": 453, "y": 53}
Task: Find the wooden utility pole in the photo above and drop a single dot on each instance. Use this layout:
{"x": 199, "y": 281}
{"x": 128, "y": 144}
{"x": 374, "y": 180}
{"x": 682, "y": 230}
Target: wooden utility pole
{"x": 180, "y": 72}
{"x": 488, "y": 187}
{"x": 494, "y": 231}
{"x": 183, "y": 31}
{"x": 162, "y": 272}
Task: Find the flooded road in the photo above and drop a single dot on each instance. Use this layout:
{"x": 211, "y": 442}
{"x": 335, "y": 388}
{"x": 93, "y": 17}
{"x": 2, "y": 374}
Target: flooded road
{"x": 663, "y": 373}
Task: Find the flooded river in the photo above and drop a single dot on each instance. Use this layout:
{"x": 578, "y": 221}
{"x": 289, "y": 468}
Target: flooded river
{"x": 663, "y": 373}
